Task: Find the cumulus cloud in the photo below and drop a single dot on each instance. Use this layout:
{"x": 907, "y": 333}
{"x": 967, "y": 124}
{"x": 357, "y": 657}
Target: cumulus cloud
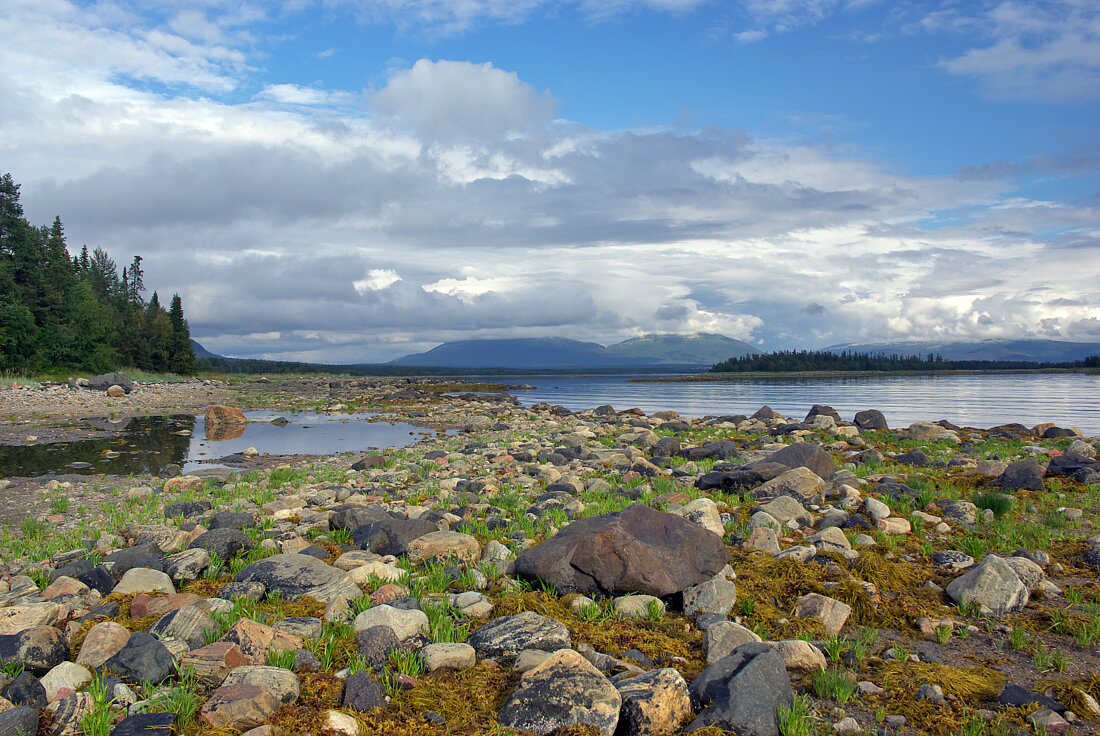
{"x": 451, "y": 99}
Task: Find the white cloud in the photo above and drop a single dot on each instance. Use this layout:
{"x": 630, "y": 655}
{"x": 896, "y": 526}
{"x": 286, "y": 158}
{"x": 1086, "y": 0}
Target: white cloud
{"x": 449, "y": 99}
{"x": 376, "y": 280}
{"x": 294, "y": 94}
{"x": 1047, "y": 51}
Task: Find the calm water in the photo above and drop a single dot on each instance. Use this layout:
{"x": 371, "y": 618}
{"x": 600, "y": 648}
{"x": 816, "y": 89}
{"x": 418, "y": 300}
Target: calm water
{"x": 1069, "y": 400}
{"x": 144, "y": 445}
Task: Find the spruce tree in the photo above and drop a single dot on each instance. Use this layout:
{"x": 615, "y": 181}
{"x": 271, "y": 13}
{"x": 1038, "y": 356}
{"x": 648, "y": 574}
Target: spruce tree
{"x": 181, "y": 358}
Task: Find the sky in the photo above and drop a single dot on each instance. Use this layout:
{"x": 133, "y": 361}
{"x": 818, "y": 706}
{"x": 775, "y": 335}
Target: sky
{"x": 348, "y": 181}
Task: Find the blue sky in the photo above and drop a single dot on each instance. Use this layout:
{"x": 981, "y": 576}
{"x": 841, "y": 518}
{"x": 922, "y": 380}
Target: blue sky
{"x": 352, "y": 180}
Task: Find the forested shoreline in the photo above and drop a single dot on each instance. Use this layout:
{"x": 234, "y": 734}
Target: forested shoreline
{"x": 788, "y": 361}
{"x": 78, "y": 312}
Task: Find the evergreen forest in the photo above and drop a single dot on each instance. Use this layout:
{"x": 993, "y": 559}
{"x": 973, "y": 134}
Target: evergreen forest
{"x": 786, "y": 361}
{"x": 78, "y": 312}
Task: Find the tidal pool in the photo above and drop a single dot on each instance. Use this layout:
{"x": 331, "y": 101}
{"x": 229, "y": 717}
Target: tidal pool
{"x": 144, "y": 445}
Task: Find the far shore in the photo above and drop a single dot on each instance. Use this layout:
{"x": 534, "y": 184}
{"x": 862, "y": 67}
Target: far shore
{"x": 732, "y": 376}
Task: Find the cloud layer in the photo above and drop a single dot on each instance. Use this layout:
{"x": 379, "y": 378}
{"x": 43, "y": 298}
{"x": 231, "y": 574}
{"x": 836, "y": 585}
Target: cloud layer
{"x": 300, "y": 222}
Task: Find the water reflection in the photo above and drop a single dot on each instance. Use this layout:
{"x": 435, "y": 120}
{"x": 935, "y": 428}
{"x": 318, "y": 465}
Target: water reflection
{"x": 145, "y": 445}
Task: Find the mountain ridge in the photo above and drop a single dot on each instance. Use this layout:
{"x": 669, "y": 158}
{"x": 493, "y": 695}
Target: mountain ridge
{"x": 695, "y": 349}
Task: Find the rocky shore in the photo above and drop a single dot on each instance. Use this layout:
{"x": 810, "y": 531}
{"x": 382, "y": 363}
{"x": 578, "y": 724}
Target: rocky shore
{"x": 544, "y": 571}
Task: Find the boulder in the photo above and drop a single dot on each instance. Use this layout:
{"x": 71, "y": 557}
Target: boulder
{"x": 68, "y": 713}
{"x": 454, "y": 547}
{"x": 799, "y": 655}
{"x": 212, "y": 663}
{"x": 256, "y": 640}
{"x": 722, "y": 638}
{"x": 993, "y": 585}
{"x": 147, "y": 724}
{"x": 743, "y": 692}
{"x": 805, "y": 455}
{"x": 391, "y": 536}
{"x": 223, "y": 416}
{"x": 801, "y": 484}
{"x": 870, "y": 419}
{"x": 654, "y": 703}
{"x": 1026, "y": 475}
{"x": 362, "y": 693}
{"x": 455, "y": 656}
{"x": 404, "y": 622}
{"x": 144, "y": 580}
{"x": 142, "y": 658}
{"x": 785, "y": 508}
{"x": 703, "y": 512}
{"x": 104, "y": 381}
{"x": 637, "y": 550}
{"x": 929, "y": 432}
{"x": 283, "y": 683}
{"x": 239, "y": 707}
{"x": 101, "y": 643}
{"x": 717, "y": 595}
{"x": 223, "y": 543}
{"x": 565, "y": 690}
{"x": 829, "y": 611}
{"x": 293, "y": 576}
{"x": 507, "y": 636}
{"x": 39, "y": 648}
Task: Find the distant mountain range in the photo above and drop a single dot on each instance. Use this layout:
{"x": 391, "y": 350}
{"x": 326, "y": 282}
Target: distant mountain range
{"x": 681, "y": 351}
{"x": 685, "y": 352}
{"x": 1037, "y": 351}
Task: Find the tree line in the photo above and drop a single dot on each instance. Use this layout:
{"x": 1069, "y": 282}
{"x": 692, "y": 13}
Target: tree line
{"x": 787, "y": 361}
{"x": 62, "y": 311}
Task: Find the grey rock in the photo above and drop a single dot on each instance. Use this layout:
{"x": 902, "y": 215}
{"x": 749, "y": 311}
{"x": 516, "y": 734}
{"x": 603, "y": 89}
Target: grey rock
{"x": 507, "y": 636}
{"x": 717, "y": 595}
{"x": 993, "y": 585}
{"x": 143, "y": 658}
{"x": 293, "y": 576}
{"x": 565, "y": 690}
{"x": 1024, "y": 475}
{"x": 223, "y": 543}
{"x": 743, "y": 692}
{"x": 785, "y": 508}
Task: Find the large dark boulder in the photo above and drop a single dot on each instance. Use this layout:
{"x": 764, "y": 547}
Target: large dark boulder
{"x": 25, "y": 690}
{"x": 142, "y": 555}
{"x": 142, "y": 658}
{"x": 870, "y": 419}
{"x": 749, "y": 476}
{"x": 637, "y": 550}
{"x": 104, "y": 381}
{"x": 38, "y": 649}
{"x": 743, "y": 691}
{"x": 391, "y": 536}
{"x": 352, "y": 517}
{"x": 1022, "y": 475}
{"x": 805, "y": 455}
{"x": 223, "y": 543}
{"x": 1070, "y": 463}
{"x": 822, "y": 409}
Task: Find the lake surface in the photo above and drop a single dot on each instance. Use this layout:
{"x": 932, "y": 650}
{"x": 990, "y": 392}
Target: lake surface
{"x": 144, "y": 445}
{"x": 1067, "y": 399}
